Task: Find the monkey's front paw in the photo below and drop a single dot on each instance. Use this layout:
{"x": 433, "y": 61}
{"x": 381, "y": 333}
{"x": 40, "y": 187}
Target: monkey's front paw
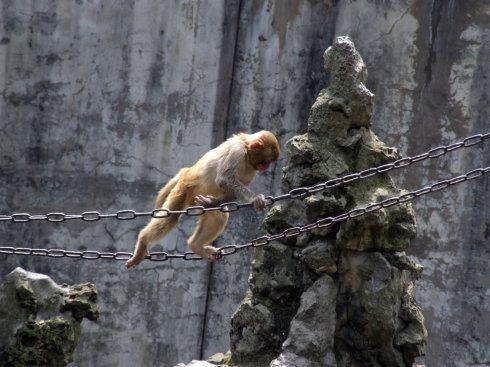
{"x": 259, "y": 202}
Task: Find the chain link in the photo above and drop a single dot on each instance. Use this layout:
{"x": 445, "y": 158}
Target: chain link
{"x": 259, "y": 241}
{"x": 93, "y": 216}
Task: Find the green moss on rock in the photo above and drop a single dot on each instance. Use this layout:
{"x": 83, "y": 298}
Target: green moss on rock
{"x": 44, "y": 343}
{"x": 81, "y": 301}
{"x": 34, "y": 330}
{"x": 25, "y": 297}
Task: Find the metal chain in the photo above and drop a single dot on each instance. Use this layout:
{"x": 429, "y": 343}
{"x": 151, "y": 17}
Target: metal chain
{"x": 263, "y": 240}
{"x": 93, "y": 216}
{"x": 356, "y": 212}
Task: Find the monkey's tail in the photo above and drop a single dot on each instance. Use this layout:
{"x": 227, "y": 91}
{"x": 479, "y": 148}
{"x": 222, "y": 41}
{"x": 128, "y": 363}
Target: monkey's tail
{"x": 165, "y": 190}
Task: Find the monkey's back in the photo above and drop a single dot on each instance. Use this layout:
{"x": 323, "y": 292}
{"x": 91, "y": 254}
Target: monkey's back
{"x": 201, "y": 177}
{"x": 227, "y": 161}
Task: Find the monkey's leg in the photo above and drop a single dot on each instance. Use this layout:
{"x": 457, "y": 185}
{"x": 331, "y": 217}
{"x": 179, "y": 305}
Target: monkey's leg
{"x": 158, "y": 227}
{"x": 165, "y": 191}
{"x": 209, "y": 227}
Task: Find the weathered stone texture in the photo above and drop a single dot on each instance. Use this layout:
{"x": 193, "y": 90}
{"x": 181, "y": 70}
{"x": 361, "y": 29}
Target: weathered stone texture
{"x": 428, "y": 71}
{"x": 310, "y": 338}
{"x": 40, "y": 320}
{"x": 101, "y": 102}
{"x": 365, "y": 315}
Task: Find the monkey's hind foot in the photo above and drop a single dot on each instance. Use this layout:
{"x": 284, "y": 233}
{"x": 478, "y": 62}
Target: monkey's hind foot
{"x": 136, "y": 259}
{"x": 212, "y": 253}
{"x": 217, "y": 256}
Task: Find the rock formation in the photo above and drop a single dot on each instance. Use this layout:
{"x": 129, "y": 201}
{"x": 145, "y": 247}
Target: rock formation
{"x": 340, "y": 296}
{"x": 40, "y": 320}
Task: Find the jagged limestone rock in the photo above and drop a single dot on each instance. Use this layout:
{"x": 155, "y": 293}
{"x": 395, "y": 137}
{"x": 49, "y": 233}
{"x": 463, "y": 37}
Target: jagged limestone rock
{"x": 43, "y": 343}
{"x": 320, "y": 257}
{"x": 81, "y": 301}
{"x": 277, "y": 221}
{"x": 369, "y": 310}
{"x": 321, "y": 204}
{"x": 390, "y": 229}
{"x": 401, "y": 261}
{"x": 310, "y": 338}
{"x": 412, "y": 334}
{"x": 262, "y": 330}
{"x": 346, "y": 103}
{"x": 40, "y": 320}
{"x": 372, "y": 319}
{"x": 275, "y": 274}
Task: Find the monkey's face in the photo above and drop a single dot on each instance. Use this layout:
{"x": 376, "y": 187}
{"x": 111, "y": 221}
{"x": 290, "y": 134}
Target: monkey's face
{"x": 261, "y": 159}
{"x": 262, "y": 166}
{"x": 263, "y": 150}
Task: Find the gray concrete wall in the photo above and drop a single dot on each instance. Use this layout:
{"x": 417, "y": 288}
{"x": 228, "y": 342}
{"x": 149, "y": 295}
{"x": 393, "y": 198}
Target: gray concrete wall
{"x": 428, "y": 65}
{"x": 102, "y": 101}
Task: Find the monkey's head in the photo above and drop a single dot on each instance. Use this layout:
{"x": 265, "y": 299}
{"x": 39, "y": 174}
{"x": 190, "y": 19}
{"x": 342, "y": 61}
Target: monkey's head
{"x": 262, "y": 150}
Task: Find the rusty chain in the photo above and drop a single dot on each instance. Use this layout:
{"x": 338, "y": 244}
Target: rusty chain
{"x": 93, "y": 216}
{"x": 259, "y": 241}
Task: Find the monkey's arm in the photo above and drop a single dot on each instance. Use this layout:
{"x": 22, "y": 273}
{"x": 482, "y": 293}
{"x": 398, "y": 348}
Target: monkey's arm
{"x": 228, "y": 181}
{"x": 235, "y": 190}
{"x": 231, "y": 194}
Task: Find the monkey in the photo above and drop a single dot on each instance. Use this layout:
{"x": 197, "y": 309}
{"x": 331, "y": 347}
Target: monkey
{"x": 219, "y": 176}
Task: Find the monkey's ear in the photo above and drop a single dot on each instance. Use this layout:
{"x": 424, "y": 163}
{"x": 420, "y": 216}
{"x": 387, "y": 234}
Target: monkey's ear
{"x": 256, "y": 145}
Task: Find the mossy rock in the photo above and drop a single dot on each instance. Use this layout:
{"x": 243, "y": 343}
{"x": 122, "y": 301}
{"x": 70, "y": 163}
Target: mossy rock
{"x": 44, "y": 343}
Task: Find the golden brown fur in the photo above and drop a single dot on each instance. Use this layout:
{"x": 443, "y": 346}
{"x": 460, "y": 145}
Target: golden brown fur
{"x": 221, "y": 175}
